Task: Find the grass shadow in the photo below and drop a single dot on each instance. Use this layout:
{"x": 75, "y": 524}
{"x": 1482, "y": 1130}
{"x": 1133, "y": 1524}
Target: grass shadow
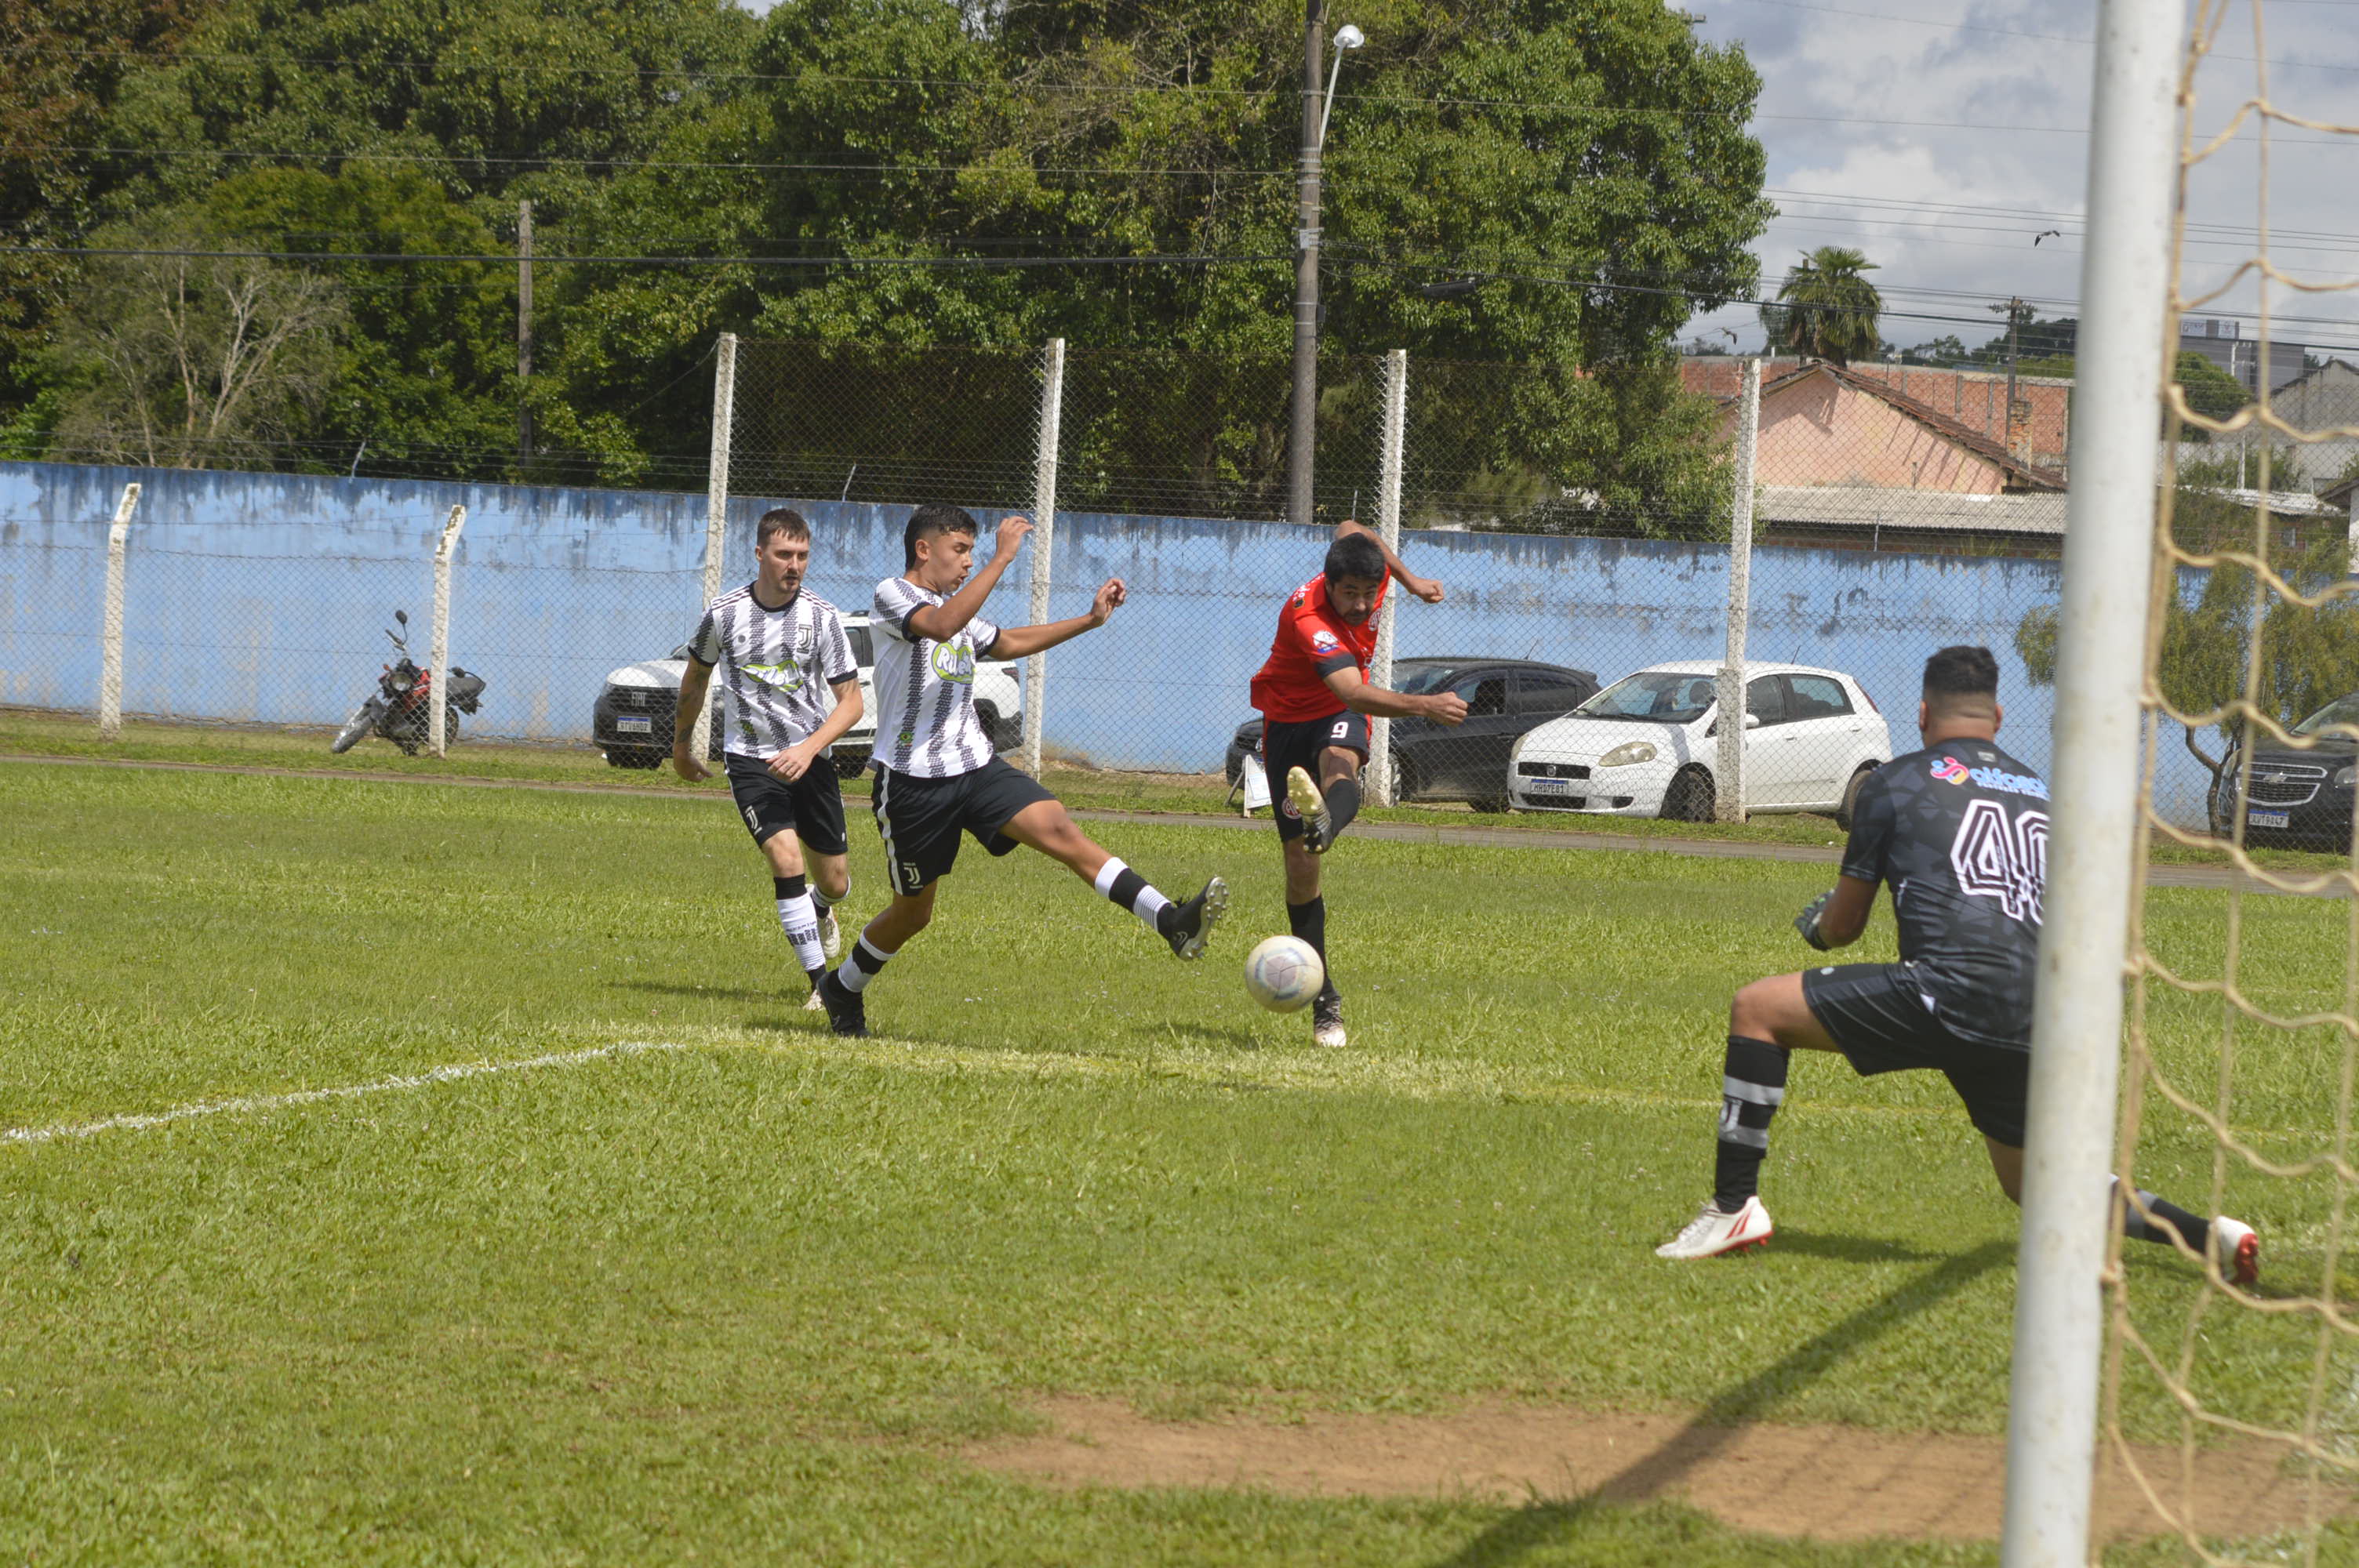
{"x": 1233, "y": 1038}
{"x": 1544, "y": 1523}
{"x": 711, "y": 993}
{"x": 1850, "y": 1248}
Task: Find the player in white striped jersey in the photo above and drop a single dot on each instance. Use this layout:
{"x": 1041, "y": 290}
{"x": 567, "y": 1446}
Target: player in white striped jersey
{"x": 935, "y": 772}
{"x": 793, "y": 687}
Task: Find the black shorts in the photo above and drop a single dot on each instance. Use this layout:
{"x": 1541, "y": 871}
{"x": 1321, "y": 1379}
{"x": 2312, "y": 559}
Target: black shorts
{"x": 1297, "y": 745}
{"x": 1881, "y": 1019}
{"x": 810, "y": 807}
{"x": 921, "y": 819}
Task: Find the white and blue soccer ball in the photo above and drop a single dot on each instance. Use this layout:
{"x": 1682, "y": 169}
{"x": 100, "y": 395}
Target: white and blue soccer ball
{"x": 1284, "y": 973}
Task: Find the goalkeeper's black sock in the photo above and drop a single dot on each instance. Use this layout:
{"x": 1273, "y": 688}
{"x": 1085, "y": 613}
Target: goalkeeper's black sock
{"x": 1343, "y": 798}
{"x": 2161, "y": 1218}
{"x": 1752, "y": 1086}
{"x": 1308, "y": 922}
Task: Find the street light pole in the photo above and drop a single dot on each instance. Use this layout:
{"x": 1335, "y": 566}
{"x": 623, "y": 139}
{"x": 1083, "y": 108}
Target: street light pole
{"x": 1303, "y": 436}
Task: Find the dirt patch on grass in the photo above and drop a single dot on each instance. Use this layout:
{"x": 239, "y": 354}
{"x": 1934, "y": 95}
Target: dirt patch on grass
{"x": 1829, "y": 1483}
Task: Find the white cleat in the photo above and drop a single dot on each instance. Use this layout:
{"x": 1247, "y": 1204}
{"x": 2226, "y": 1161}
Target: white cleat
{"x": 831, "y": 935}
{"x": 1712, "y": 1233}
{"x": 2238, "y": 1249}
{"x": 1303, "y": 796}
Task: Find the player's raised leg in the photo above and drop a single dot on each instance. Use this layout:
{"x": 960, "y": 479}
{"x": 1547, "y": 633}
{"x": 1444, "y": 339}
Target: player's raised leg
{"x": 843, "y": 992}
{"x": 1047, "y": 826}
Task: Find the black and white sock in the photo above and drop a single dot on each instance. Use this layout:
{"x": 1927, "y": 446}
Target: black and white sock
{"x": 861, "y": 965}
{"x": 1343, "y": 798}
{"x": 1133, "y": 892}
{"x": 1308, "y": 922}
{"x": 2159, "y": 1213}
{"x": 1752, "y": 1086}
{"x": 800, "y": 922}
{"x": 822, "y": 901}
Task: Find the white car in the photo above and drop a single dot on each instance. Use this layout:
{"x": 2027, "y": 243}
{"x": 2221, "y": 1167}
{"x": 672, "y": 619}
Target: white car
{"x": 1648, "y": 745}
{"x": 632, "y": 720}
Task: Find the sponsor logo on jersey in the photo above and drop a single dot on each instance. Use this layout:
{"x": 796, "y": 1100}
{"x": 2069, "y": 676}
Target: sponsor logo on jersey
{"x": 1951, "y": 770}
{"x": 954, "y": 662}
{"x": 787, "y": 676}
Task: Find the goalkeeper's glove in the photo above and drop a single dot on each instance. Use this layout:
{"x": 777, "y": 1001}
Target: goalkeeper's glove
{"x": 1807, "y": 923}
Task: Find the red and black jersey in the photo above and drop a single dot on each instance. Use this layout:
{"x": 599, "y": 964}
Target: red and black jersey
{"x": 1313, "y": 642}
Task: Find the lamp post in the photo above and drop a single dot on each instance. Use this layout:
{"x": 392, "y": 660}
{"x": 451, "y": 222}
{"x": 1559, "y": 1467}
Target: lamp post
{"x": 1303, "y": 440}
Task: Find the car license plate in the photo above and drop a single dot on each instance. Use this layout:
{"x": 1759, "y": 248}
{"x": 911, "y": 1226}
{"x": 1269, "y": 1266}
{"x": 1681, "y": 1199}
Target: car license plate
{"x": 625, "y": 726}
{"x": 2268, "y": 819}
{"x": 1547, "y": 786}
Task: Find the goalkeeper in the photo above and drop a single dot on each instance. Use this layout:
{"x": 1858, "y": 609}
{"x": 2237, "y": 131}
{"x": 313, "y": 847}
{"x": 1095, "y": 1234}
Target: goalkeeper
{"x": 1960, "y": 832}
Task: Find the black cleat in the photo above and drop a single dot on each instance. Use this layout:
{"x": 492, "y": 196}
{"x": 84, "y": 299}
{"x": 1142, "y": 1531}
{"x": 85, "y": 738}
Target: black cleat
{"x": 846, "y": 1013}
{"x": 1187, "y": 927}
{"x": 1327, "y": 1019}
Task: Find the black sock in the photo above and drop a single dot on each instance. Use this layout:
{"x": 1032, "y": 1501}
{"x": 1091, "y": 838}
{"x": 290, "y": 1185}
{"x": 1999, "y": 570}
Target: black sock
{"x": 1753, "y": 1085}
{"x": 1309, "y": 921}
{"x": 1343, "y": 798}
{"x": 789, "y": 887}
{"x": 2160, "y": 1213}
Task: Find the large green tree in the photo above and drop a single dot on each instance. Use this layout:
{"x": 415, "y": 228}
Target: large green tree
{"x": 1826, "y": 309}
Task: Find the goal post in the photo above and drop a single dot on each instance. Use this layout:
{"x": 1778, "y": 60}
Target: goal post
{"x": 2109, "y": 563}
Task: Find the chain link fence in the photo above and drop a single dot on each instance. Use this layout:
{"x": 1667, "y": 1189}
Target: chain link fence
{"x": 1586, "y": 556}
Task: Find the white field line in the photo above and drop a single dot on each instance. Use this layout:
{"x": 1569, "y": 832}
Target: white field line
{"x": 251, "y": 1104}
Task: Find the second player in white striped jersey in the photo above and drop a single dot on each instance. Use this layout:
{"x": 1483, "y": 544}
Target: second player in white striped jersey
{"x": 926, "y": 722}
{"x": 779, "y": 665}
{"x": 937, "y": 781}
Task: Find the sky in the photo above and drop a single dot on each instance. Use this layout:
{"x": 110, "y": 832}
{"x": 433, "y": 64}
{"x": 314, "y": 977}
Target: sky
{"x": 1941, "y": 137}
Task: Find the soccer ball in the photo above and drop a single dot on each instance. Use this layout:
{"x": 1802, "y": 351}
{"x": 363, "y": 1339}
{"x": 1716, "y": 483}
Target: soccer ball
{"x": 1284, "y": 973}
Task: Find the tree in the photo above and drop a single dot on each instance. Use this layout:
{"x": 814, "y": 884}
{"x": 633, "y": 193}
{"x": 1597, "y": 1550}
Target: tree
{"x": 1945, "y": 349}
{"x": 1826, "y": 309}
{"x": 2210, "y": 391}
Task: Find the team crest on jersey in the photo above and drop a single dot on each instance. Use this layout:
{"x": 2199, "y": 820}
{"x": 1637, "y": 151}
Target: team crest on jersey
{"x": 1323, "y": 641}
{"x": 787, "y": 676}
{"x": 954, "y": 662}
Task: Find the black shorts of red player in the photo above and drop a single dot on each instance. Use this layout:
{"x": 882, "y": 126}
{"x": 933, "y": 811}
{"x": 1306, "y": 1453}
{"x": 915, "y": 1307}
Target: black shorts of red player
{"x": 1299, "y": 745}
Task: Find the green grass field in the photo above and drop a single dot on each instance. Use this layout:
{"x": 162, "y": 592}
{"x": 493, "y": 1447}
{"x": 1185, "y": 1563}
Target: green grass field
{"x": 745, "y": 1299}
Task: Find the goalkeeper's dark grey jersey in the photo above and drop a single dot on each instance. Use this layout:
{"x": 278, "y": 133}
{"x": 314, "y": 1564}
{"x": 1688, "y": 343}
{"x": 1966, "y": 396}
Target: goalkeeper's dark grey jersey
{"x": 1958, "y": 831}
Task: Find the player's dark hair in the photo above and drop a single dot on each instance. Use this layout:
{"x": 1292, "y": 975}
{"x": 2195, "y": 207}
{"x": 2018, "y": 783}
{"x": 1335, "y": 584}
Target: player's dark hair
{"x": 1355, "y": 554}
{"x": 932, "y": 521}
{"x": 781, "y": 520}
{"x": 1961, "y": 672}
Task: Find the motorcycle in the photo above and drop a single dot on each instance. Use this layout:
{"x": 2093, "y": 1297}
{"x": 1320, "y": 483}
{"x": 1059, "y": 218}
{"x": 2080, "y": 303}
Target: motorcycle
{"x": 402, "y": 710}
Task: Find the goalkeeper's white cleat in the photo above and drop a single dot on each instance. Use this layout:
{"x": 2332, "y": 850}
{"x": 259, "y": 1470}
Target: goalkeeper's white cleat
{"x": 1712, "y": 1233}
{"x": 831, "y": 935}
{"x": 2238, "y": 1249}
{"x": 1303, "y": 796}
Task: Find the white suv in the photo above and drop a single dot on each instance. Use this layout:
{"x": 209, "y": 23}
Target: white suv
{"x": 632, "y": 720}
{"x": 1647, "y": 745}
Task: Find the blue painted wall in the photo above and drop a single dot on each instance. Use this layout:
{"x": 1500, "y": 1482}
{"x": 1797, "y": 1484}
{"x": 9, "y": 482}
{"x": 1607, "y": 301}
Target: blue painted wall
{"x": 260, "y": 597}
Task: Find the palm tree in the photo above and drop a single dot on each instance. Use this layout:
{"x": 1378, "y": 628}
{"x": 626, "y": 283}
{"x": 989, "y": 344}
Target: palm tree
{"x": 1826, "y": 309}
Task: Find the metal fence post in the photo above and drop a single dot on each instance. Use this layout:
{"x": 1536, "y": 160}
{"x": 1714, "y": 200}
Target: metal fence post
{"x": 109, "y": 676}
{"x": 716, "y": 503}
{"x": 2109, "y": 565}
{"x": 438, "y": 646}
{"x": 1043, "y": 534}
{"x": 1388, "y": 501}
{"x": 1728, "y": 800}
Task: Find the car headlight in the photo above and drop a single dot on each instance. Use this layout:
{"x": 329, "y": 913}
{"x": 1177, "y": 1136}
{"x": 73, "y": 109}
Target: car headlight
{"x": 2346, "y": 777}
{"x": 1628, "y": 753}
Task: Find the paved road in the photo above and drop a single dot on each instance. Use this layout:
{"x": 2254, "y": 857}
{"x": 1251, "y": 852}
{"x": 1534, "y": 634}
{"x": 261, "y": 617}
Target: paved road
{"x": 2328, "y": 885}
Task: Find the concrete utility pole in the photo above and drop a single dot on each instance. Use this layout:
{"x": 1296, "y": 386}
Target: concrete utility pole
{"x": 2014, "y": 309}
{"x": 523, "y": 333}
{"x": 1304, "y": 433}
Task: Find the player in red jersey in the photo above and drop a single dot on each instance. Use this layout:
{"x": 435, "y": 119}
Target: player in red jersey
{"x": 1315, "y": 702}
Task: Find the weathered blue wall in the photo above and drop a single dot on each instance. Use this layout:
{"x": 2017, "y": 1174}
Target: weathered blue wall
{"x": 260, "y": 597}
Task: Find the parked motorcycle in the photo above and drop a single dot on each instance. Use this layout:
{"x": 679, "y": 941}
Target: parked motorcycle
{"x": 402, "y": 710}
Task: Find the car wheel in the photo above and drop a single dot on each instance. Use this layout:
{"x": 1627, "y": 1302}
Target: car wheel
{"x": 1494, "y": 803}
{"x": 1405, "y": 783}
{"x": 632, "y": 757}
{"x": 1859, "y": 778}
{"x": 987, "y": 715}
{"x": 1689, "y": 798}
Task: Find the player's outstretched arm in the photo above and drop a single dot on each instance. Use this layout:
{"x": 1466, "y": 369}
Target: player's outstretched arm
{"x": 1015, "y": 642}
{"x": 940, "y": 622}
{"x": 1425, "y": 588}
{"x": 1381, "y": 702}
{"x": 695, "y": 682}
{"x": 1836, "y": 919}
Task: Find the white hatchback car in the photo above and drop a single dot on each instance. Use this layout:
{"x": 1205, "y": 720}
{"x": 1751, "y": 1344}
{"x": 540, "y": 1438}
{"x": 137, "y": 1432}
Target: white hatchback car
{"x": 631, "y": 721}
{"x": 1647, "y": 745}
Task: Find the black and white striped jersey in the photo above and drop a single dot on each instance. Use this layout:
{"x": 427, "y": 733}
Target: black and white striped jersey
{"x": 778, "y": 667}
{"x": 926, "y": 723}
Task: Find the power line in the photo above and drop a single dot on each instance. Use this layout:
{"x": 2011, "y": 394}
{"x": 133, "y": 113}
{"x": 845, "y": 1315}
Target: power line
{"x": 2018, "y": 33}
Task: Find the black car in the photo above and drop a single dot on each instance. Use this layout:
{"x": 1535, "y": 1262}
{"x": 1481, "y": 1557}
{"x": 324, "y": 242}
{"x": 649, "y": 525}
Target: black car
{"x": 1468, "y": 761}
{"x": 2299, "y": 799}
